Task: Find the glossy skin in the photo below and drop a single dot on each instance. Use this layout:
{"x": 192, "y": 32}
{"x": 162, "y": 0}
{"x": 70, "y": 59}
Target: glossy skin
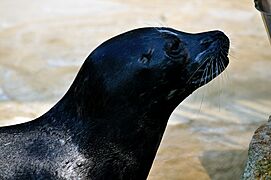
{"x": 110, "y": 122}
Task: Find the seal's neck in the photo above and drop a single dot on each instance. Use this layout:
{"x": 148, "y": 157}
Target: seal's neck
{"x": 88, "y": 97}
{"x": 132, "y": 126}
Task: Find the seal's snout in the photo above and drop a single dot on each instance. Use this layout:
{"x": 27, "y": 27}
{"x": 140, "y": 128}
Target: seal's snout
{"x": 215, "y": 42}
{"x": 223, "y": 39}
{"x": 216, "y": 39}
{"x": 211, "y": 58}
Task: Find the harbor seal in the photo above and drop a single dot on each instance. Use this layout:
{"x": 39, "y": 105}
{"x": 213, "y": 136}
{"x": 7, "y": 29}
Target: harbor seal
{"x": 110, "y": 122}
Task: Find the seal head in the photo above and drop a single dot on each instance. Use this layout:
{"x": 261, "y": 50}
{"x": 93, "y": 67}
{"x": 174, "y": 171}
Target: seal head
{"x": 155, "y": 64}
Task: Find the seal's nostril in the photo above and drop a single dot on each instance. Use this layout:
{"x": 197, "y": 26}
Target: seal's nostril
{"x": 206, "y": 41}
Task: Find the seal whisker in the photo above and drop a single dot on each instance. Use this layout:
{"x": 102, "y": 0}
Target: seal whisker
{"x": 203, "y": 77}
{"x": 226, "y": 72}
{"x": 205, "y": 80}
{"x": 202, "y": 99}
{"x": 218, "y": 62}
{"x": 223, "y": 53}
{"x": 208, "y": 78}
{"x": 207, "y": 73}
{"x": 202, "y": 80}
{"x": 210, "y": 75}
{"x": 197, "y": 70}
{"x": 221, "y": 68}
{"x": 231, "y": 54}
{"x": 212, "y": 71}
{"x": 218, "y": 70}
{"x": 223, "y": 75}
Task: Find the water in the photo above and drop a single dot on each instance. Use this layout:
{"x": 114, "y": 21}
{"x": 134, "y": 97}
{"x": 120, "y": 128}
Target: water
{"x": 43, "y": 45}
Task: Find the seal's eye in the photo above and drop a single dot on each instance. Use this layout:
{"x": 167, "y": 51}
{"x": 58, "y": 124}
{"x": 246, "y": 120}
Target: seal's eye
{"x": 146, "y": 57}
{"x": 174, "y": 45}
{"x": 174, "y": 48}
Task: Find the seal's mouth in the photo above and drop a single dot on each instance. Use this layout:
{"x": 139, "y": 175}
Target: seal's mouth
{"x": 211, "y": 61}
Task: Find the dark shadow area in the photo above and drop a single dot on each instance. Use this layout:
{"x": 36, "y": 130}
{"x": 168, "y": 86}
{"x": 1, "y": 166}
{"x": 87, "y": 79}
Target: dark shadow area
{"x": 224, "y": 165}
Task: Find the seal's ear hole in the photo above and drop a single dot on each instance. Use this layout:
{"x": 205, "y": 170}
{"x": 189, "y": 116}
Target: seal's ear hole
{"x": 146, "y": 57}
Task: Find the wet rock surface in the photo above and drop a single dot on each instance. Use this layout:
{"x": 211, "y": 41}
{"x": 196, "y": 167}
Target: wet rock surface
{"x": 259, "y": 155}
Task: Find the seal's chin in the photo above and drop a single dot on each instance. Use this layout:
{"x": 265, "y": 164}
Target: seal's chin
{"x": 209, "y": 63}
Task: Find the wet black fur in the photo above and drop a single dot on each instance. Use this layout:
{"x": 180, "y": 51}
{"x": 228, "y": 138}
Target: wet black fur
{"x": 110, "y": 122}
